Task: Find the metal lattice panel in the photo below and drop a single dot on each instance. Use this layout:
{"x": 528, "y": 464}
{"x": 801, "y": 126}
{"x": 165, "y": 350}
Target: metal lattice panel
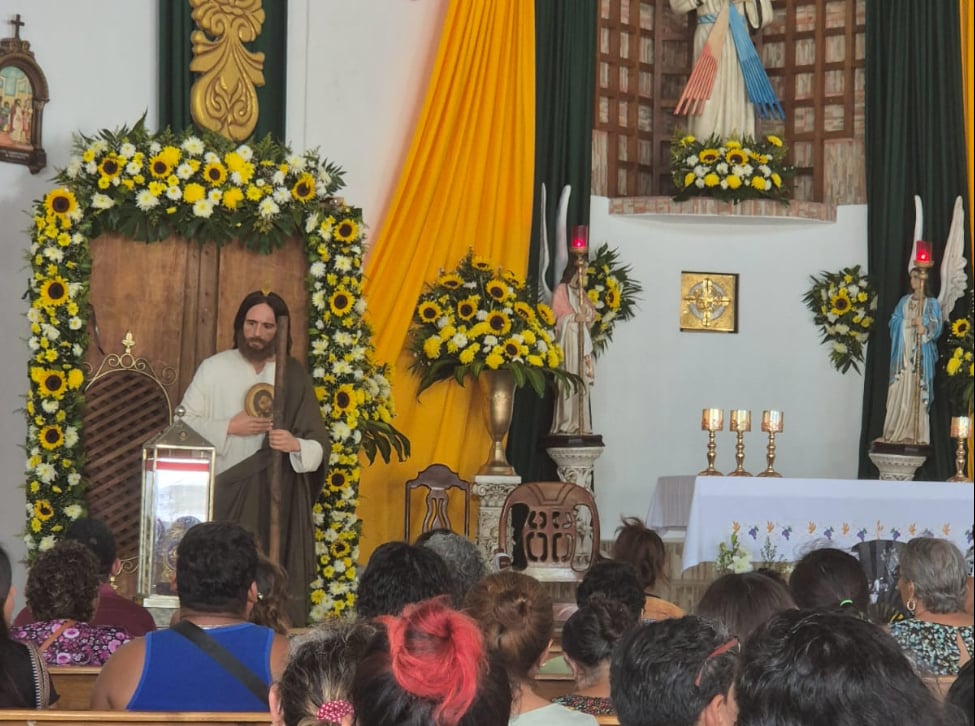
{"x": 123, "y": 409}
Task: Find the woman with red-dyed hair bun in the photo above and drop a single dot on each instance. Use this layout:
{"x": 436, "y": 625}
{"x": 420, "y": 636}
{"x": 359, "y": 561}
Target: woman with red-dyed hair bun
{"x": 429, "y": 666}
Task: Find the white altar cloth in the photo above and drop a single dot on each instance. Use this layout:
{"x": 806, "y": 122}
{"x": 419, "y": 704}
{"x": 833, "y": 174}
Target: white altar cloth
{"x": 796, "y": 515}
{"x": 671, "y": 503}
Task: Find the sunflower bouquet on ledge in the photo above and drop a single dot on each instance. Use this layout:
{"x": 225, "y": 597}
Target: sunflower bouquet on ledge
{"x": 478, "y": 317}
{"x": 732, "y": 169}
{"x": 957, "y": 360}
{"x": 843, "y": 305}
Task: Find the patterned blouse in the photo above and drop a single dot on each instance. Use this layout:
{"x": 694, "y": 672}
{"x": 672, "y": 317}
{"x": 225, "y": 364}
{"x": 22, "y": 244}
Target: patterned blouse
{"x": 934, "y": 647}
{"x": 79, "y": 645}
{"x": 595, "y": 705}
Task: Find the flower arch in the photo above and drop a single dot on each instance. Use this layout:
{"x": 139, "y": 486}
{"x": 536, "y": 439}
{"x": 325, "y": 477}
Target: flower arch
{"x": 206, "y": 188}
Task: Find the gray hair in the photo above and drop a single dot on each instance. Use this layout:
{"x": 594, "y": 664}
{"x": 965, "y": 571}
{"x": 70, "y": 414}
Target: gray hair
{"x": 938, "y": 571}
{"x": 463, "y": 558}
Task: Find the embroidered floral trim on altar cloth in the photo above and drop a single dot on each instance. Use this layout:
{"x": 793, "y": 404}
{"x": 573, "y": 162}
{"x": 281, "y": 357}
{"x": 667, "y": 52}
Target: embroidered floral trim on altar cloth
{"x": 205, "y": 188}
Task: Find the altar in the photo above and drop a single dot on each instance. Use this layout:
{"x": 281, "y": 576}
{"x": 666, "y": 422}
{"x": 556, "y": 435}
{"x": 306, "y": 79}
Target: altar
{"x": 792, "y": 516}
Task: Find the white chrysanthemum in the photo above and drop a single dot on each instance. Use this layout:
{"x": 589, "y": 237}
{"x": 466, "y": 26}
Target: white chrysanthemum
{"x": 541, "y": 346}
{"x": 722, "y": 168}
{"x": 277, "y": 178}
{"x": 34, "y": 315}
{"x": 840, "y": 347}
{"x": 268, "y": 208}
{"x": 45, "y": 472}
{"x": 215, "y": 195}
{"x": 74, "y": 168}
{"x": 91, "y": 167}
{"x": 211, "y": 158}
{"x": 77, "y": 350}
{"x": 70, "y": 436}
{"x": 692, "y": 160}
{"x": 132, "y": 168}
{"x": 33, "y": 343}
{"x": 50, "y": 332}
{"x": 318, "y": 300}
{"x": 318, "y": 372}
{"x": 319, "y": 347}
{"x": 46, "y": 543}
{"x": 99, "y": 147}
{"x": 765, "y": 170}
{"x": 74, "y": 323}
{"x": 343, "y": 263}
{"x": 317, "y": 269}
{"x": 101, "y": 201}
{"x": 343, "y": 338}
{"x": 192, "y": 145}
{"x": 54, "y": 254}
{"x": 246, "y": 153}
{"x": 127, "y": 150}
{"x": 342, "y": 368}
{"x": 699, "y": 183}
{"x": 832, "y": 317}
{"x": 146, "y": 200}
{"x": 741, "y": 563}
{"x": 491, "y": 340}
{"x": 723, "y": 184}
{"x": 297, "y": 163}
{"x": 155, "y": 147}
{"x": 311, "y": 222}
{"x": 340, "y": 431}
{"x": 184, "y": 171}
{"x": 281, "y": 195}
{"x": 73, "y": 511}
{"x": 460, "y": 340}
{"x": 74, "y": 479}
{"x": 174, "y": 193}
{"x": 325, "y": 179}
{"x": 842, "y": 328}
{"x": 203, "y": 208}
{"x": 360, "y": 306}
{"x": 442, "y": 322}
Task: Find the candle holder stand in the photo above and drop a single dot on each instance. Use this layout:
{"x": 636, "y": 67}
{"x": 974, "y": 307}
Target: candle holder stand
{"x": 712, "y": 450}
{"x": 961, "y": 473}
{"x": 740, "y": 456}
{"x": 770, "y": 457}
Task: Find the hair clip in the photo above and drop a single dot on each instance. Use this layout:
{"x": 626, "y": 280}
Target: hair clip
{"x": 720, "y": 650}
{"x": 845, "y": 603}
{"x": 334, "y": 710}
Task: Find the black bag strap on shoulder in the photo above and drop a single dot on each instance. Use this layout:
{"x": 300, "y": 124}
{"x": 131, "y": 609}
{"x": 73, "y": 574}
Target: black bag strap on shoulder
{"x": 199, "y": 637}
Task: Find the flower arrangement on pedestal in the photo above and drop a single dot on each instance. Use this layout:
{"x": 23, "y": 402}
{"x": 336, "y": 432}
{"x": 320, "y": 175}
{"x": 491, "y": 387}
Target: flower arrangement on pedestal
{"x": 481, "y": 317}
{"x": 843, "y": 305}
{"x": 613, "y": 293}
{"x": 150, "y": 186}
{"x": 957, "y": 360}
{"x": 732, "y": 169}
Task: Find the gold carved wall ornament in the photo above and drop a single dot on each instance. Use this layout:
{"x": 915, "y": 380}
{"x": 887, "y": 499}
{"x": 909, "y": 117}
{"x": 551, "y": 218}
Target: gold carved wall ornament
{"x": 224, "y": 98}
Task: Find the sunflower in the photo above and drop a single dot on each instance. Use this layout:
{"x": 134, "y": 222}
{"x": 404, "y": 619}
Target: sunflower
{"x": 51, "y": 437}
{"x": 960, "y": 328}
{"x": 50, "y": 383}
{"x": 467, "y": 308}
{"x": 512, "y": 279}
{"x": 736, "y": 156}
{"x": 60, "y": 202}
{"x": 840, "y": 303}
{"x": 709, "y": 156}
{"x": 344, "y": 399}
{"x": 110, "y": 167}
{"x": 481, "y": 264}
{"x": 428, "y": 311}
{"x": 158, "y": 166}
{"x": 451, "y": 281}
{"x": 43, "y": 510}
{"x": 340, "y": 302}
{"x": 524, "y": 311}
{"x": 498, "y": 323}
{"x": 340, "y": 548}
{"x": 304, "y": 188}
{"x": 513, "y": 348}
{"x": 337, "y": 480}
{"x": 54, "y": 292}
{"x": 215, "y": 173}
{"x": 346, "y": 231}
{"x": 612, "y": 298}
{"x": 497, "y": 290}
{"x": 545, "y": 314}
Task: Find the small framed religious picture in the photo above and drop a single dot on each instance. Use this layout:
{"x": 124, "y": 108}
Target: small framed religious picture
{"x": 259, "y": 400}
{"x": 23, "y": 93}
{"x": 709, "y": 302}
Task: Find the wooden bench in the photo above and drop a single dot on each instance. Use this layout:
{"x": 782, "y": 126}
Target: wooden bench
{"x": 28, "y": 717}
{"x": 74, "y": 684}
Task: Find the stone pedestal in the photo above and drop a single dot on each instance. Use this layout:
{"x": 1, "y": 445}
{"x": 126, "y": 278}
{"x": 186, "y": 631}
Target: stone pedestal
{"x": 491, "y": 491}
{"x": 898, "y": 462}
{"x": 574, "y": 456}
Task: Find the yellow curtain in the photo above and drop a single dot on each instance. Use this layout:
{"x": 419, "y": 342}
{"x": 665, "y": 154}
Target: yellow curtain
{"x": 466, "y": 182}
{"x": 967, "y": 17}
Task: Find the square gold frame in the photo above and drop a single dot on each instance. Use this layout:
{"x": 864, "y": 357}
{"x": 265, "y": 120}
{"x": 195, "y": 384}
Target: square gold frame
{"x": 709, "y": 302}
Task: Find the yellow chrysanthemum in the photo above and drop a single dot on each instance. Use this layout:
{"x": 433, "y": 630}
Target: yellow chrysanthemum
{"x": 341, "y": 302}
{"x": 304, "y": 189}
{"x": 776, "y": 180}
{"x": 43, "y": 510}
{"x": 193, "y": 193}
{"x": 467, "y": 355}
{"x": 51, "y": 437}
{"x": 711, "y": 180}
{"x": 709, "y": 156}
{"x": 346, "y": 231}
{"x": 215, "y": 173}
{"x": 60, "y": 203}
{"x": 237, "y": 165}
{"x": 952, "y": 366}
{"x": 54, "y": 292}
{"x": 774, "y": 140}
{"x": 76, "y": 377}
{"x": 232, "y": 198}
{"x": 428, "y": 311}
{"x": 840, "y": 303}
{"x": 960, "y": 328}
{"x": 450, "y": 281}
{"x": 431, "y": 347}
{"x": 497, "y": 290}
{"x": 734, "y": 181}
{"x": 534, "y": 361}
{"x": 689, "y": 178}
{"x": 494, "y": 360}
{"x": 732, "y": 144}
{"x": 545, "y": 314}
{"x": 759, "y": 183}
{"x": 498, "y": 323}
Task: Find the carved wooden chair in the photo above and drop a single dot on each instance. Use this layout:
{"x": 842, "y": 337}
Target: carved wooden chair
{"x": 438, "y": 481}
{"x": 560, "y": 517}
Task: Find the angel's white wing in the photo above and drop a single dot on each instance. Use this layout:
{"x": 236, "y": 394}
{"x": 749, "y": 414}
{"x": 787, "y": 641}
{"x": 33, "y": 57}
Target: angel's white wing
{"x": 543, "y": 289}
{"x": 954, "y": 269}
{"x": 562, "y": 234}
{"x": 918, "y": 231}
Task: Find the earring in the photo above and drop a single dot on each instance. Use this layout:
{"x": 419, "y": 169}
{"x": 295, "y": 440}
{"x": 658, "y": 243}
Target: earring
{"x": 911, "y": 605}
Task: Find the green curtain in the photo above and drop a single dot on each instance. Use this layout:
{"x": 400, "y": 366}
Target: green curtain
{"x": 175, "y": 79}
{"x": 565, "y": 78}
{"x": 914, "y": 145}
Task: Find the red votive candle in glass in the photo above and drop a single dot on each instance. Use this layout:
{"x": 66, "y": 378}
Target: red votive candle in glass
{"x": 923, "y": 253}
{"x": 580, "y": 238}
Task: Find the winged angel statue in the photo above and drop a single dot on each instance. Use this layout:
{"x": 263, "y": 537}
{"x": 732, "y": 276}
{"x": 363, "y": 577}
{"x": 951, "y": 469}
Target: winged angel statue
{"x": 915, "y": 325}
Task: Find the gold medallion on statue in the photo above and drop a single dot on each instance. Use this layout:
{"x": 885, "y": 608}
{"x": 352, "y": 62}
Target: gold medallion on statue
{"x": 259, "y": 400}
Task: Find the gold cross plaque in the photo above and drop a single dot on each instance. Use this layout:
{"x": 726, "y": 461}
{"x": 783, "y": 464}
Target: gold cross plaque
{"x": 709, "y": 302}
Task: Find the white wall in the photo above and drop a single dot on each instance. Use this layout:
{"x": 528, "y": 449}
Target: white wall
{"x": 654, "y": 380}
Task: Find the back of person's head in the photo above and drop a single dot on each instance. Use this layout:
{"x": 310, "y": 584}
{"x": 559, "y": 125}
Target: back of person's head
{"x": 829, "y": 577}
{"x": 63, "y": 583}
{"x": 743, "y": 601}
{"x": 96, "y": 536}
{"x": 399, "y": 574}
{"x": 592, "y": 632}
{"x": 961, "y": 694}
{"x": 216, "y": 564}
{"x": 641, "y": 547}
{"x": 316, "y": 685}
{"x": 463, "y": 558}
{"x": 515, "y": 613}
{"x": 615, "y": 580}
{"x": 827, "y": 666}
{"x": 938, "y": 571}
{"x": 270, "y": 609}
{"x": 429, "y": 666}
{"x": 670, "y": 671}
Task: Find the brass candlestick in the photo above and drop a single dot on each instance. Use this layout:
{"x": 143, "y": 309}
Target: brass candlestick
{"x": 740, "y": 423}
{"x": 772, "y": 423}
{"x": 711, "y": 420}
{"x": 961, "y": 429}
